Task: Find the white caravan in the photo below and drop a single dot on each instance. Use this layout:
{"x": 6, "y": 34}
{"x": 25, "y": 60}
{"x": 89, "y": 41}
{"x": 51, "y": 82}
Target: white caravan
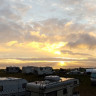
{"x": 89, "y": 70}
{"x": 75, "y": 72}
{"x": 37, "y": 70}
{"x": 12, "y": 86}
{"x": 93, "y": 76}
{"x": 53, "y": 86}
{"x": 43, "y": 70}
{"x": 27, "y": 69}
{"x": 13, "y": 69}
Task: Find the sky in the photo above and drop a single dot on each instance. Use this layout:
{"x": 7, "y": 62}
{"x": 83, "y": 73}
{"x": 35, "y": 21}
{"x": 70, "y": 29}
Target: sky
{"x": 61, "y": 32}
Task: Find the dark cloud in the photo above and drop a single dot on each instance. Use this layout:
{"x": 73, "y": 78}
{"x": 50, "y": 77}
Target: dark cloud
{"x": 84, "y": 39}
{"x": 74, "y": 27}
{"x": 89, "y": 59}
{"x": 11, "y": 25}
{"x": 10, "y": 30}
{"x": 74, "y": 53}
{"x": 72, "y": 2}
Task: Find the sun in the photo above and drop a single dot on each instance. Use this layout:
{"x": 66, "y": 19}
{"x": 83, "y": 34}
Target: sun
{"x": 57, "y": 52}
{"x": 62, "y": 63}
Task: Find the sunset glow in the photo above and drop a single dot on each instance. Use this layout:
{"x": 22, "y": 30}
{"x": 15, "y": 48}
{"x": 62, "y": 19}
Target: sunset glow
{"x": 64, "y": 32}
{"x": 58, "y": 52}
{"x": 62, "y": 63}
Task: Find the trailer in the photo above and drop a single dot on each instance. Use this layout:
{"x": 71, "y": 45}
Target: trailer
{"x": 75, "y": 72}
{"x": 89, "y": 70}
{"x": 12, "y": 86}
{"x": 38, "y": 70}
{"x": 54, "y": 86}
{"x": 93, "y": 77}
{"x": 43, "y": 70}
{"x": 13, "y": 69}
{"x": 27, "y": 69}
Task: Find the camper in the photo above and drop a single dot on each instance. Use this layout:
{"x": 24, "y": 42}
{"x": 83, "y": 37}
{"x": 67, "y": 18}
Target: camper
{"x": 93, "y": 77}
{"x": 12, "y": 86}
{"x": 37, "y": 70}
{"x": 43, "y": 70}
{"x": 27, "y": 69}
{"x": 75, "y": 72}
{"x": 89, "y": 71}
{"x": 13, "y": 69}
{"x": 53, "y": 86}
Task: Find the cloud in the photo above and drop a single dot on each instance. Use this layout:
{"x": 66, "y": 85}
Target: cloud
{"x": 43, "y": 34}
{"x": 74, "y": 53}
{"x": 9, "y": 30}
{"x": 11, "y": 15}
{"x": 84, "y": 40}
{"x": 71, "y": 2}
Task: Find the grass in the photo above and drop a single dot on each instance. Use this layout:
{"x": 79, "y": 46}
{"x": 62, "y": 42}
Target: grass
{"x": 85, "y": 88}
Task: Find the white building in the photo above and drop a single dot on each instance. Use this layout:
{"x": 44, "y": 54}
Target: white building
{"x": 37, "y": 70}
{"x": 12, "y": 86}
{"x": 53, "y": 86}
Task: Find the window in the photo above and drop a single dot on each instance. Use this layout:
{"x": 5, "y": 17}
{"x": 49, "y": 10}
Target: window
{"x": 64, "y": 91}
{"x": 24, "y": 85}
{"x": 7, "y": 69}
{"x": 41, "y": 69}
{"x": 75, "y": 82}
{"x": 1, "y": 88}
{"x": 41, "y": 94}
{"x": 16, "y": 68}
{"x": 54, "y": 93}
{"x": 75, "y": 91}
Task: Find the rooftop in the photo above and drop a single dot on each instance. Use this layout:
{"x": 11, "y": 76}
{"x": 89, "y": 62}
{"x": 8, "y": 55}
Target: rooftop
{"x": 47, "y": 82}
{"x": 8, "y": 78}
{"x": 50, "y": 84}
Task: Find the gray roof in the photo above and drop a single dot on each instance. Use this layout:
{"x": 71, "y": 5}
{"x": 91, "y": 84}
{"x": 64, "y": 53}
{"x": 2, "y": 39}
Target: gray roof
{"x": 8, "y": 78}
{"x": 41, "y": 85}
